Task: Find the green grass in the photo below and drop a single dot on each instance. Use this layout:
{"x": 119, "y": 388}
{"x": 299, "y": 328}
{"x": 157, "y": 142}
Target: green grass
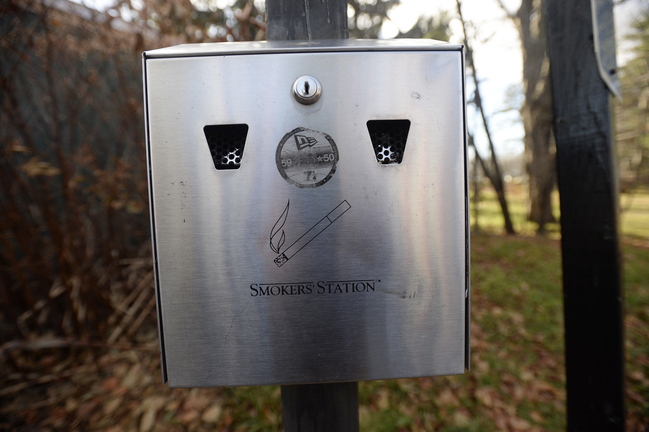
{"x": 517, "y": 352}
{"x": 635, "y": 215}
{"x": 532, "y": 275}
{"x": 517, "y": 378}
{"x": 636, "y": 281}
{"x": 486, "y": 213}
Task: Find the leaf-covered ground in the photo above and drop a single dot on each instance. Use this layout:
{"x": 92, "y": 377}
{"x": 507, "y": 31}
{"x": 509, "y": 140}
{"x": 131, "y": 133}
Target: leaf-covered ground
{"x": 516, "y": 382}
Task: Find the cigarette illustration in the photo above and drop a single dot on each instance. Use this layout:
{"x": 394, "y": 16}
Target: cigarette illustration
{"x": 312, "y": 233}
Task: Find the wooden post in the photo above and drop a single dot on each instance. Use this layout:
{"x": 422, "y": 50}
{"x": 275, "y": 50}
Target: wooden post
{"x": 589, "y": 222}
{"x": 306, "y": 19}
{"x": 314, "y": 407}
{"x": 320, "y": 407}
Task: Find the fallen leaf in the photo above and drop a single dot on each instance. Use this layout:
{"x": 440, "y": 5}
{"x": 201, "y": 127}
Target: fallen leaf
{"x": 196, "y": 401}
{"x": 110, "y": 384}
{"x": 131, "y": 379}
{"x": 71, "y": 404}
{"x": 88, "y": 408}
{"x": 485, "y": 395}
{"x": 447, "y": 397}
{"x": 212, "y": 414}
{"x": 112, "y": 405}
{"x": 537, "y": 417}
{"x": 148, "y": 419}
{"x": 189, "y": 416}
{"x": 383, "y": 399}
{"x": 461, "y": 418}
{"x": 519, "y": 424}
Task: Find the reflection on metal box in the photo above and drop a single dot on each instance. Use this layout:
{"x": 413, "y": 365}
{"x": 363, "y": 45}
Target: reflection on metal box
{"x": 309, "y": 211}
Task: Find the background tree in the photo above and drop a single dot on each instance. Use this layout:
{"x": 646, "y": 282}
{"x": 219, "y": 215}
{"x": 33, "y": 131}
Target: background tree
{"x": 434, "y": 27}
{"x": 72, "y": 191}
{"x": 490, "y": 167}
{"x": 632, "y": 115}
{"x": 367, "y": 17}
{"x": 536, "y": 111}
{"x": 194, "y": 21}
{"x": 203, "y": 21}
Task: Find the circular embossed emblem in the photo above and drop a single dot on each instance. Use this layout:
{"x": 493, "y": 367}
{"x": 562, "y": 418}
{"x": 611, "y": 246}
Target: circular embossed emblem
{"x": 306, "y": 158}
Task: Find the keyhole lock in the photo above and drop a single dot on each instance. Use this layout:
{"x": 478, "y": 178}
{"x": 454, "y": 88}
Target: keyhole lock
{"x": 307, "y": 90}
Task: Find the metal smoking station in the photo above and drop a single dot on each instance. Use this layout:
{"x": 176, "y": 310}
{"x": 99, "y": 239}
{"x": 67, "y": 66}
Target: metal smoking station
{"x": 309, "y": 210}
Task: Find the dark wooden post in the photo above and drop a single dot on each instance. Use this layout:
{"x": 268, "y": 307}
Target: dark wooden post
{"x": 306, "y": 19}
{"x": 589, "y": 222}
{"x": 314, "y": 407}
{"x": 320, "y": 407}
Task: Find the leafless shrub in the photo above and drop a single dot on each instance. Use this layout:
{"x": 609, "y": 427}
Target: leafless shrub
{"x": 75, "y": 266}
{"x": 73, "y": 195}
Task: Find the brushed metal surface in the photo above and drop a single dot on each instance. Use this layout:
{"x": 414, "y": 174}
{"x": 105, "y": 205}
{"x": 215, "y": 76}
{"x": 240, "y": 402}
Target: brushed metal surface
{"x": 373, "y": 283}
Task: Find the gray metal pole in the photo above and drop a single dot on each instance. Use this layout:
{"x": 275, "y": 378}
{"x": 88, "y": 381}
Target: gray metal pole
{"x": 314, "y": 407}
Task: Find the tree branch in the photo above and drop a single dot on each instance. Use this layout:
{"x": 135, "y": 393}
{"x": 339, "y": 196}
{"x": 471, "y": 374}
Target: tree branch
{"x": 496, "y": 177}
{"x": 511, "y": 15}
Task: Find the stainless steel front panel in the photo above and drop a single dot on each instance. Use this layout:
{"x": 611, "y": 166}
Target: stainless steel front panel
{"x": 272, "y": 274}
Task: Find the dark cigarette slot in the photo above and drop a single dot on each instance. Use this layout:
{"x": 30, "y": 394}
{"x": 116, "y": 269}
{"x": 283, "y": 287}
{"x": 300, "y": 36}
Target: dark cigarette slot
{"x": 226, "y": 143}
{"x": 389, "y": 139}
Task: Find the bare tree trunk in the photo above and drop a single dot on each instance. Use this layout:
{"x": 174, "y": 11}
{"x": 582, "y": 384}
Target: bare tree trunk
{"x": 536, "y": 111}
{"x": 492, "y": 172}
{"x": 476, "y": 192}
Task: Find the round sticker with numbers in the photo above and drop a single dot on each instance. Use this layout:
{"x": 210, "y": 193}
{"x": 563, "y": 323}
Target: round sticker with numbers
{"x": 306, "y": 158}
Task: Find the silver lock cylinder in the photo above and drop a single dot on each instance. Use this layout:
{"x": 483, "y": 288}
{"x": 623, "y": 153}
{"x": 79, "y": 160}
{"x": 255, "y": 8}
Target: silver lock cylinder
{"x": 307, "y": 90}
